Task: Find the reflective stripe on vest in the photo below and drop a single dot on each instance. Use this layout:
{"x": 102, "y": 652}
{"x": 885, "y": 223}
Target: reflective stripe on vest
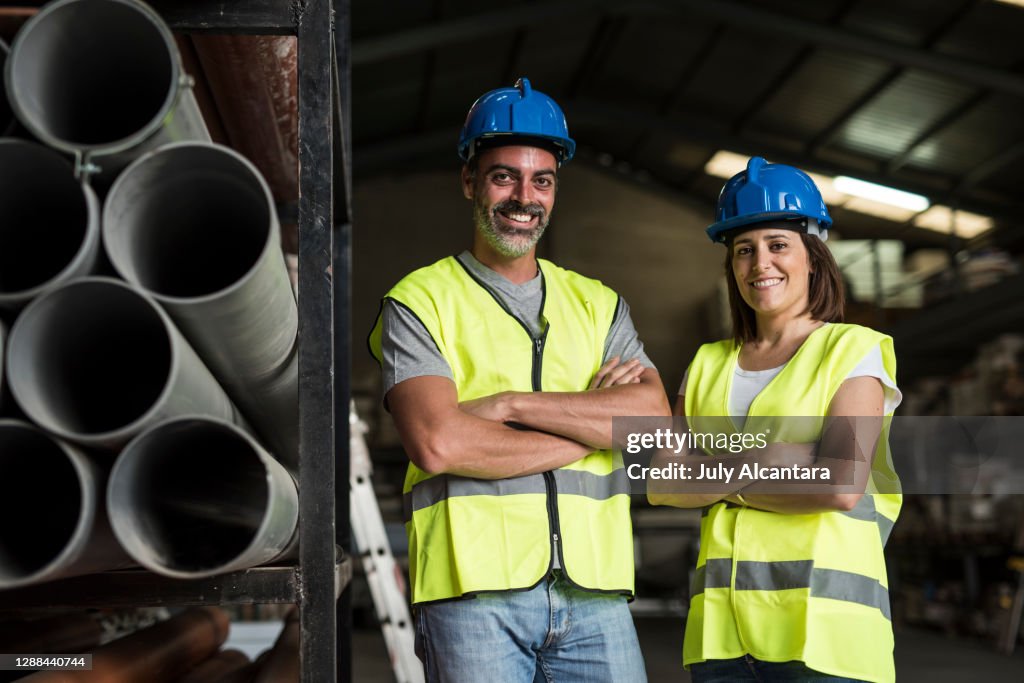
{"x": 472, "y": 535}
{"x": 569, "y": 482}
{"x": 864, "y": 511}
{"x": 833, "y": 584}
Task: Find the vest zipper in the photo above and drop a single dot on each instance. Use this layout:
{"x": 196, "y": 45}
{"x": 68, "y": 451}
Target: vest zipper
{"x": 538, "y": 358}
{"x": 552, "y": 490}
{"x": 535, "y": 381}
{"x": 549, "y": 477}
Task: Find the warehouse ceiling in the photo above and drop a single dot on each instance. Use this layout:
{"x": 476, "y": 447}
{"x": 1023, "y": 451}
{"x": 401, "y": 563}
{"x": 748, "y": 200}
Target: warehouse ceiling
{"x": 922, "y": 95}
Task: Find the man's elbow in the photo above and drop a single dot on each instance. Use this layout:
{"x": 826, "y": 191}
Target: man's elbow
{"x": 433, "y": 456}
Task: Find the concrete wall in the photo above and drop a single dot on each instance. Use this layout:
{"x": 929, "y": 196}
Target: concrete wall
{"x": 644, "y": 244}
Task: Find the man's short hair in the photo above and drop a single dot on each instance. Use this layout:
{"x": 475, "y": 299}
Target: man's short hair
{"x": 514, "y": 140}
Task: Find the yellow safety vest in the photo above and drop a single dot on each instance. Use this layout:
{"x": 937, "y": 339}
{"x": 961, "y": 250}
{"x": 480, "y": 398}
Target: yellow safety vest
{"x": 469, "y": 535}
{"x": 781, "y": 587}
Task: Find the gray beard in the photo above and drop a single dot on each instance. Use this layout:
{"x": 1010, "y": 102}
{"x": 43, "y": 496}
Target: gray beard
{"x": 511, "y": 244}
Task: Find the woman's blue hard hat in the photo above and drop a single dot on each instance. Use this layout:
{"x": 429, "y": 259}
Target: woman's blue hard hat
{"x": 767, "y": 192}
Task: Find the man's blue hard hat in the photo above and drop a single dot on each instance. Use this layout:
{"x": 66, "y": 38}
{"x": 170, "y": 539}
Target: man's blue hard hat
{"x": 769, "y": 192}
{"x": 517, "y": 112}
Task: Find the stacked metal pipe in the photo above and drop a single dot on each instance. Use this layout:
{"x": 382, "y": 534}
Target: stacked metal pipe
{"x": 141, "y": 376}
{"x": 49, "y": 223}
{"x": 162, "y": 653}
{"x": 184, "y": 648}
{"x": 5, "y": 400}
{"x": 6, "y": 115}
{"x": 240, "y": 513}
{"x": 101, "y": 80}
{"x": 52, "y": 519}
{"x": 62, "y": 634}
{"x": 193, "y": 225}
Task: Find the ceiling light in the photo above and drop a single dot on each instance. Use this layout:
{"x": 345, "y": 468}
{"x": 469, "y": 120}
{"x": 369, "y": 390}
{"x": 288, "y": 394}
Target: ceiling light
{"x": 940, "y": 219}
{"x": 881, "y": 193}
{"x": 1018, "y": 3}
{"x": 726, "y": 164}
{"x": 884, "y": 210}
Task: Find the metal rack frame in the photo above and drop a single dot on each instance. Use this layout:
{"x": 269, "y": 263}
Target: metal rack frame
{"x": 323, "y": 570}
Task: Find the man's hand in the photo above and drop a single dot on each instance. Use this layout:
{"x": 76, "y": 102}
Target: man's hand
{"x": 615, "y": 373}
{"x": 494, "y": 407}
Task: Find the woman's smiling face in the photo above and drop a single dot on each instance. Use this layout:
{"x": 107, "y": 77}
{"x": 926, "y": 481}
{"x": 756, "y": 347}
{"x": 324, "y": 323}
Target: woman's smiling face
{"x": 772, "y": 270}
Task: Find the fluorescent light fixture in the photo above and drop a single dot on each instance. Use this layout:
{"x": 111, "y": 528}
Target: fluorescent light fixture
{"x": 1018, "y": 3}
{"x": 897, "y": 214}
{"x": 725, "y": 164}
{"x": 880, "y": 193}
{"x": 940, "y": 219}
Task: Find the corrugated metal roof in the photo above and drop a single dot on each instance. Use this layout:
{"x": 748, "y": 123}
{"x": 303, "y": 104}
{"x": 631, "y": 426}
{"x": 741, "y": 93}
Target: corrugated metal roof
{"x": 922, "y": 94}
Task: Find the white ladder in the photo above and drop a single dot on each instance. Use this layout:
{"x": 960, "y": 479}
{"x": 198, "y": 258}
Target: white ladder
{"x": 382, "y": 574}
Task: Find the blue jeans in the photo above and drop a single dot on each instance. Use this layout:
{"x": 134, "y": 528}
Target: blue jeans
{"x": 553, "y": 633}
{"x": 746, "y": 669}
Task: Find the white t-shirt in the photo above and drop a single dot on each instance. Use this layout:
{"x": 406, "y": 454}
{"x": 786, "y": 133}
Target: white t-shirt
{"x": 747, "y": 384}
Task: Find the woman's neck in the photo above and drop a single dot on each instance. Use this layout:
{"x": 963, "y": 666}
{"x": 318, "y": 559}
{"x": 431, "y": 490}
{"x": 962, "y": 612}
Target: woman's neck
{"x": 773, "y": 331}
{"x": 776, "y": 342}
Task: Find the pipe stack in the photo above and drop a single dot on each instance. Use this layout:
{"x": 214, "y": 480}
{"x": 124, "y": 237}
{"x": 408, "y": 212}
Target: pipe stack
{"x": 160, "y": 654}
{"x": 181, "y": 378}
{"x": 101, "y": 80}
{"x": 193, "y": 225}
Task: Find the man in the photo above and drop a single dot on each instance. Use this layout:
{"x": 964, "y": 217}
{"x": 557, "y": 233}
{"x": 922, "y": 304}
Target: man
{"x": 503, "y": 372}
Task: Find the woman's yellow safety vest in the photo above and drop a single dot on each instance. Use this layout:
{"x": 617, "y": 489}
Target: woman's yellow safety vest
{"x": 469, "y": 535}
{"x": 783, "y": 587}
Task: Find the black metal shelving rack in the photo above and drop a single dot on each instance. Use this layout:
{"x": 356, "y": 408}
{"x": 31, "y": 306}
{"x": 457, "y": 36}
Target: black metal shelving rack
{"x": 323, "y": 570}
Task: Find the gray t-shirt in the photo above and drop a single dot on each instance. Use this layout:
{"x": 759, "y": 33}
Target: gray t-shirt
{"x": 409, "y": 351}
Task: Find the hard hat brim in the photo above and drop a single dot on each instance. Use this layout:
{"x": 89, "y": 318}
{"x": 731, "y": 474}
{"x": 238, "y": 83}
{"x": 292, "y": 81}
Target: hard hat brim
{"x": 718, "y": 232}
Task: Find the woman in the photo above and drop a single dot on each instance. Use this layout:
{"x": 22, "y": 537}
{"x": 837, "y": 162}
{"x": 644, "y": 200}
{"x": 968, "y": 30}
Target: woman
{"x": 791, "y": 586}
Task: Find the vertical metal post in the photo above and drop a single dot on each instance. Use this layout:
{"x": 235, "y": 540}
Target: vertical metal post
{"x": 343, "y": 310}
{"x": 316, "y": 346}
{"x": 876, "y": 271}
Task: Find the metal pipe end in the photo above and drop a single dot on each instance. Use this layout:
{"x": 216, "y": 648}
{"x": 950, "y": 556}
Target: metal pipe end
{"x": 190, "y": 222}
{"x": 49, "y": 222}
{"x": 93, "y": 74}
{"x": 196, "y": 496}
{"x": 92, "y": 360}
{"x": 54, "y": 487}
{"x": 6, "y": 113}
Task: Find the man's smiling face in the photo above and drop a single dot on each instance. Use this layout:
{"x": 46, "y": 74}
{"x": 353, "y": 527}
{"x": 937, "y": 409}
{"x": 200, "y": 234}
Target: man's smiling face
{"x": 513, "y": 193}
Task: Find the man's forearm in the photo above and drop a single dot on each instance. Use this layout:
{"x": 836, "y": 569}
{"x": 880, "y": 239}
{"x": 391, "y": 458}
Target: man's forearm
{"x": 441, "y": 438}
{"x": 497, "y": 451}
{"x": 471, "y": 446}
{"x": 586, "y": 416}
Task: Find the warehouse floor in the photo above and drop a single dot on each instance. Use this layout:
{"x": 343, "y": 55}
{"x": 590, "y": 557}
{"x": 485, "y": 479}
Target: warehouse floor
{"x": 921, "y": 656}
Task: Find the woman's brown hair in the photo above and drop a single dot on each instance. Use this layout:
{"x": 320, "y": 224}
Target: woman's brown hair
{"x": 826, "y": 296}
